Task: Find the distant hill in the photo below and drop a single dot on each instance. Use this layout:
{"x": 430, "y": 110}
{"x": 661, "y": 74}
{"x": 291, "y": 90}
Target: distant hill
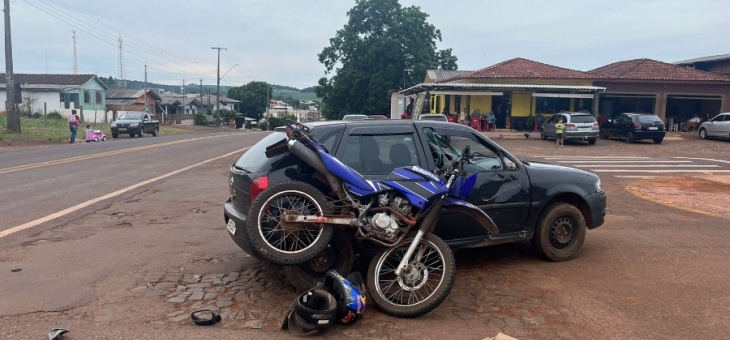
{"x": 279, "y": 92}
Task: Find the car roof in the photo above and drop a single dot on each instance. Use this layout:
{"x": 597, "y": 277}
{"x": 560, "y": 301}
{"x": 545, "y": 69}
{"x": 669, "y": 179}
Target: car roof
{"x": 385, "y": 122}
{"x": 576, "y": 113}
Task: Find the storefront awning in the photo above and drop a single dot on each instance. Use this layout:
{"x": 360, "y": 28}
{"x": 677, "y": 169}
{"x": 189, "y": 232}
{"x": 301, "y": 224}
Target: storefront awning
{"x": 485, "y": 89}
{"x": 562, "y": 95}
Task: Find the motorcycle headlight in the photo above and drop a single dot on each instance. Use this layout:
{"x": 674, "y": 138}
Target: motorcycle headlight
{"x": 599, "y": 188}
{"x": 134, "y": 125}
{"x": 114, "y": 125}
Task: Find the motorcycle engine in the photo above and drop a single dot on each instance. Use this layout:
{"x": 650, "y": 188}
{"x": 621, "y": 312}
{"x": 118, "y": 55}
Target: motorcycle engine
{"x": 385, "y": 225}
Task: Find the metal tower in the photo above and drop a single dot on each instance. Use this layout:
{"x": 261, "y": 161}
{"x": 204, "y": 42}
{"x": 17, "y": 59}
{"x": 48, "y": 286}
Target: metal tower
{"x": 76, "y": 64}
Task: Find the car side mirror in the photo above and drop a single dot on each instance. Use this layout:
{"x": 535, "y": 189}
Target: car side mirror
{"x": 511, "y": 166}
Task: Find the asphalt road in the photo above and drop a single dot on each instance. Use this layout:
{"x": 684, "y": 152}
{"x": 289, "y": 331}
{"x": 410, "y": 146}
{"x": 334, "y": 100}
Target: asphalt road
{"x": 109, "y": 263}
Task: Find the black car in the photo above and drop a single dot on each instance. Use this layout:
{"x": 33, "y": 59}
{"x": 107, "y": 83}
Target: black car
{"x": 549, "y": 204}
{"x": 634, "y": 126}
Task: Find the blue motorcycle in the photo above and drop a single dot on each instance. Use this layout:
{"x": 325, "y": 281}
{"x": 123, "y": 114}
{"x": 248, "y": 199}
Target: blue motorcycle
{"x": 292, "y": 222}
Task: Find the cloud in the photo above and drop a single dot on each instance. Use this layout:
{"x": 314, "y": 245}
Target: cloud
{"x": 278, "y": 41}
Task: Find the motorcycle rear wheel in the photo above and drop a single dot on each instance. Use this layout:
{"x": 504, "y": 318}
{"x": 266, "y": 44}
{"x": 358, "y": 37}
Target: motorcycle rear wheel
{"x": 338, "y": 255}
{"x": 419, "y": 289}
{"x": 288, "y": 245}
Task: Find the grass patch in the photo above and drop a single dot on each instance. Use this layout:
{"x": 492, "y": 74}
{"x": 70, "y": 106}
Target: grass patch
{"x": 55, "y": 130}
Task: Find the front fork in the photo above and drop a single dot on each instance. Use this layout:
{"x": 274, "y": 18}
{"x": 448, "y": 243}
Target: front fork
{"x": 428, "y": 225}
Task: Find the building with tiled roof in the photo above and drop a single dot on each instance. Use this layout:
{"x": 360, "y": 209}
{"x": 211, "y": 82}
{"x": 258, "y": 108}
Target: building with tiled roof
{"x": 518, "y": 89}
{"x": 121, "y": 100}
{"x": 61, "y": 93}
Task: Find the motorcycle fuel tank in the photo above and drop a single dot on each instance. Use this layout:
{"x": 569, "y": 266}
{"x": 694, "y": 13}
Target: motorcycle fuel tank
{"x": 416, "y": 184}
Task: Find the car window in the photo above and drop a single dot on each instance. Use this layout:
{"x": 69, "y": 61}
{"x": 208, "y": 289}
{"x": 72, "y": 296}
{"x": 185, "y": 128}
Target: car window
{"x": 446, "y": 146}
{"x": 329, "y": 141}
{"x": 379, "y": 154}
{"x": 582, "y": 119}
{"x": 620, "y": 119}
{"x": 647, "y": 119}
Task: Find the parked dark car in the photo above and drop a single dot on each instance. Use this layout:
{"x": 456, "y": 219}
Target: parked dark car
{"x": 717, "y": 127}
{"x": 135, "y": 123}
{"x": 549, "y": 204}
{"x": 578, "y": 126}
{"x": 634, "y": 126}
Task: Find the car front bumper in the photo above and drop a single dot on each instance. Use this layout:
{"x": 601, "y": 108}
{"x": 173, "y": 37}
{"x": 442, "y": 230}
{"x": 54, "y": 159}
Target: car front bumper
{"x": 241, "y": 236}
{"x": 597, "y": 204}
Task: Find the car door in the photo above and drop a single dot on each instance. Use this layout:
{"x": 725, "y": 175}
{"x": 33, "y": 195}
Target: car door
{"x": 549, "y": 126}
{"x": 719, "y": 126}
{"x": 621, "y": 125}
{"x": 502, "y": 188}
{"x": 146, "y": 121}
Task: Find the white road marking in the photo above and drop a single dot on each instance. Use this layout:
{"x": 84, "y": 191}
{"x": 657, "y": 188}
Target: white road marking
{"x": 79, "y": 206}
{"x": 623, "y": 161}
{"x": 706, "y": 159}
{"x": 662, "y": 171}
{"x": 649, "y": 165}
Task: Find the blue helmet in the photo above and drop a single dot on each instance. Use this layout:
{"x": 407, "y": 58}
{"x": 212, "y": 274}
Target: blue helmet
{"x": 350, "y": 295}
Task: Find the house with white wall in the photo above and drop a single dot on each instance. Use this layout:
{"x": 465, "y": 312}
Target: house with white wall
{"x": 46, "y": 93}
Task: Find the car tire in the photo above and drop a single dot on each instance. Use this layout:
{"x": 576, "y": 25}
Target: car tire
{"x": 339, "y": 255}
{"x": 542, "y": 135}
{"x": 96, "y": 139}
{"x": 630, "y": 137}
{"x": 603, "y": 135}
{"x": 560, "y": 232}
{"x": 131, "y": 135}
{"x": 103, "y": 138}
{"x": 592, "y": 141}
{"x": 115, "y": 135}
{"x": 288, "y": 247}
{"x": 703, "y": 133}
{"x": 140, "y": 133}
{"x": 658, "y": 140}
{"x": 155, "y": 132}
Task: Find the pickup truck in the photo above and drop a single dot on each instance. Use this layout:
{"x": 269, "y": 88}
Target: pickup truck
{"x": 135, "y": 123}
{"x": 551, "y": 206}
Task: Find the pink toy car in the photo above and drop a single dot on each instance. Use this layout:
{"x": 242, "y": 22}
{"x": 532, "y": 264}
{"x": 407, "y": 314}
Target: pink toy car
{"x": 95, "y": 136}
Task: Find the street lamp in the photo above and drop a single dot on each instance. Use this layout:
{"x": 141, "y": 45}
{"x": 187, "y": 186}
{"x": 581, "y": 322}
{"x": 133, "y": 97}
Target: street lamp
{"x": 409, "y": 70}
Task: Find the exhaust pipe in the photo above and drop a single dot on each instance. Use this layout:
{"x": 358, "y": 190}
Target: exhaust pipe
{"x": 311, "y": 157}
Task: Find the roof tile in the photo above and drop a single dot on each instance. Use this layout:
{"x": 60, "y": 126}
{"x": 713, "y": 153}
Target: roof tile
{"x": 648, "y": 69}
{"x": 521, "y": 68}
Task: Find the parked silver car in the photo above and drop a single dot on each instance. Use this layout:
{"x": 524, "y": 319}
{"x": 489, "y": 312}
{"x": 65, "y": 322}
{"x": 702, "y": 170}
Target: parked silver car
{"x": 719, "y": 127}
{"x": 433, "y": 116}
{"x": 578, "y": 126}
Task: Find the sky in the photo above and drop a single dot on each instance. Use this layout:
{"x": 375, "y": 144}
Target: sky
{"x": 277, "y": 41}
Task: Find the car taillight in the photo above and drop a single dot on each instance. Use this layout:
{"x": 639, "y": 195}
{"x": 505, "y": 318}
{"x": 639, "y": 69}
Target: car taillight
{"x": 569, "y": 126}
{"x": 257, "y": 186}
{"x": 595, "y": 125}
{"x": 637, "y": 126}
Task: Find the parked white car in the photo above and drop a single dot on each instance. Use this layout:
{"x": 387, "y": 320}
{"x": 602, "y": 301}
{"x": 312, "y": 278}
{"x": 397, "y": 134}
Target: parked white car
{"x": 718, "y": 127}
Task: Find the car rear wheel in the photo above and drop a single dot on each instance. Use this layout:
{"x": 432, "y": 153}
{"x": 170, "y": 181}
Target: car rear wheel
{"x": 288, "y": 243}
{"x": 630, "y": 137}
{"x": 703, "y": 133}
{"x": 560, "y": 233}
{"x": 338, "y": 255}
{"x": 592, "y": 141}
{"x": 658, "y": 140}
{"x": 155, "y": 131}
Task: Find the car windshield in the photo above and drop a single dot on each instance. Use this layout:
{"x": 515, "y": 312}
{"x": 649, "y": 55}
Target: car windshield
{"x": 582, "y": 119}
{"x": 434, "y": 117}
{"x": 648, "y": 119}
{"x": 131, "y": 116}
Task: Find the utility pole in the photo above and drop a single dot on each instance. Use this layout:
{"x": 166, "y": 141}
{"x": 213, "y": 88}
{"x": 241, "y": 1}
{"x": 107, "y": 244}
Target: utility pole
{"x": 76, "y": 64}
{"x": 183, "y": 96}
{"x": 201, "y": 90}
{"x": 145, "y": 88}
{"x": 13, "y": 117}
{"x": 218, "y": 80}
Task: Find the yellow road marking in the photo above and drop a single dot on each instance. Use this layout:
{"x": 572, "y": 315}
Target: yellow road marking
{"x": 636, "y": 192}
{"x": 107, "y": 196}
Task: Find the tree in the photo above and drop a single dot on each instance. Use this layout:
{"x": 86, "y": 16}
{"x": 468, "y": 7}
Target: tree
{"x": 254, "y": 98}
{"x": 370, "y": 54}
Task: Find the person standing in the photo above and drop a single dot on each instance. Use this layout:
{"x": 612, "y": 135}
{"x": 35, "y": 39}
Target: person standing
{"x": 463, "y": 117}
{"x": 74, "y": 121}
{"x": 491, "y": 124}
{"x": 559, "y": 126}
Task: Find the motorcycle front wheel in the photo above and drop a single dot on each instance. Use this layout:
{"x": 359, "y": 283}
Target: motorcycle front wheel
{"x": 288, "y": 244}
{"x": 421, "y": 287}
